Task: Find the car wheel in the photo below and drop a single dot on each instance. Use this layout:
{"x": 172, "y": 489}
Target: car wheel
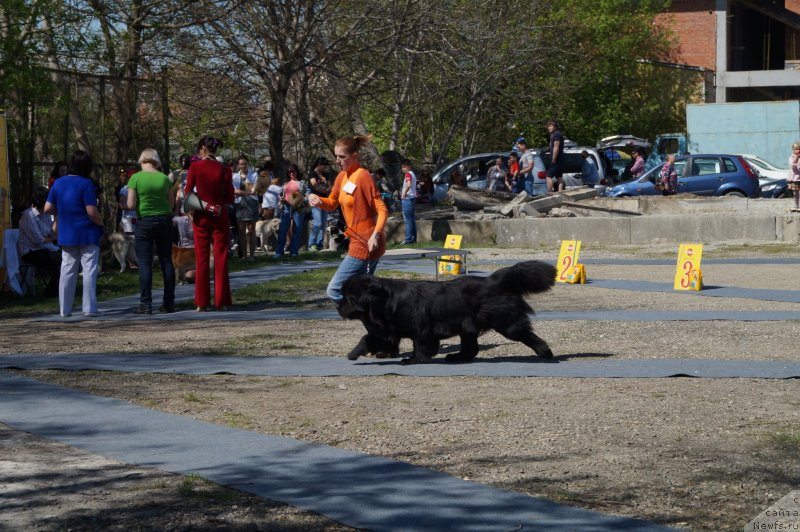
{"x": 735, "y": 194}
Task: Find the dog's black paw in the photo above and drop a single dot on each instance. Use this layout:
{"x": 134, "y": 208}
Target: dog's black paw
{"x": 544, "y": 353}
{"x": 353, "y": 356}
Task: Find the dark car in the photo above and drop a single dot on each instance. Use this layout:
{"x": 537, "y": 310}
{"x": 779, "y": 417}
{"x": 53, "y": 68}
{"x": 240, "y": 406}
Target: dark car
{"x": 701, "y": 174}
{"x": 775, "y": 188}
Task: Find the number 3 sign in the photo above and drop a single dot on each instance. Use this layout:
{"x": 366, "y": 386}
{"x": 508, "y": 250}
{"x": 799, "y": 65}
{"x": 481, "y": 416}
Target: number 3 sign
{"x": 567, "y": 259}
{"x": 688, "y": 275}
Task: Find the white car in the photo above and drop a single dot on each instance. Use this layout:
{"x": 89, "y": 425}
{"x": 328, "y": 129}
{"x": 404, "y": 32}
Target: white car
{"x": 766, "y": 170}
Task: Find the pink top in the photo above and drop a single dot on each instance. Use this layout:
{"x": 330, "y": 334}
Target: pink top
{"x": 289, "y": 188}
{"x": 794, "y": 171}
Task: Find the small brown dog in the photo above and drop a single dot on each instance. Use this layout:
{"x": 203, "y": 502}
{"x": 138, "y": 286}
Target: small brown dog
{"x": 299, "y": 203}
{"x": 183, "y": 260}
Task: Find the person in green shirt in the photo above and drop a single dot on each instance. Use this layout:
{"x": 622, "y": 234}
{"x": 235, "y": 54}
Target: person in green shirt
{"x": 149, "y": 193}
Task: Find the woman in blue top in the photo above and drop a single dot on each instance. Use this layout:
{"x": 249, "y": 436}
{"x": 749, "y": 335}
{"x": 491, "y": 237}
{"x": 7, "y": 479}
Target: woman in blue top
{"x": 73, "y": 203}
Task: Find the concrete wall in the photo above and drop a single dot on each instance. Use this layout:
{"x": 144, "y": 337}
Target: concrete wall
{"x": 666, "y": 228}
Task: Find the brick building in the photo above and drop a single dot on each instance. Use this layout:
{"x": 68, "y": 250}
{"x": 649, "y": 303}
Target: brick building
{"x": 750, "y": 49}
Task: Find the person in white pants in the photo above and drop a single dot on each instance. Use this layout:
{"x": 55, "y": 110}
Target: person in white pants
{"x": 73, "y": 202}
{"x": 87, "y": 257}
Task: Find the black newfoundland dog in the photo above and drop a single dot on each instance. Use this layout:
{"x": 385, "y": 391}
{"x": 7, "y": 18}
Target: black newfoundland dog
{"x": 428, "y": 312}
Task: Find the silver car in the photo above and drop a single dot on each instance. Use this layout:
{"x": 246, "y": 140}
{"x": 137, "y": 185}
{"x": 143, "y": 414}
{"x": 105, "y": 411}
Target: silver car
{"x": 475, "y": 167}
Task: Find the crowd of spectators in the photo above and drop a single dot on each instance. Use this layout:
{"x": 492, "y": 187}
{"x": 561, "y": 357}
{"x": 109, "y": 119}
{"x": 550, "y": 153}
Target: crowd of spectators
{"x": 62, "y": 228}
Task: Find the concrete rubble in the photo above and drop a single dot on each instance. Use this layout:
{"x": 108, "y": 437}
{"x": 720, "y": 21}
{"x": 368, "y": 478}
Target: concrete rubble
{"x": 464, "y": 203}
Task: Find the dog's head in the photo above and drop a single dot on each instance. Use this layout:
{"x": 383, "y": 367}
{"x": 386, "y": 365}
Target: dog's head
{"x": 298, "y": 202}
{"x": 363, "y": 298}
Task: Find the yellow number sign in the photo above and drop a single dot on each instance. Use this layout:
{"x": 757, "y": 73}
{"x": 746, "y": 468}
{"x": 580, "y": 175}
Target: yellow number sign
{"x": 567, "y": 259}
{"x": 688, "y": 275}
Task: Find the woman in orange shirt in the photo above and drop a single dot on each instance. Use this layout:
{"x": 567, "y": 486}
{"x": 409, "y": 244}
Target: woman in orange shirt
{"x": 364, "y": 213}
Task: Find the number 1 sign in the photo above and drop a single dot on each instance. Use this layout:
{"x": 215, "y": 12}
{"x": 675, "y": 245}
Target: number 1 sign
{"x": 687, "y": 273}
{"x": 567, "y": 259}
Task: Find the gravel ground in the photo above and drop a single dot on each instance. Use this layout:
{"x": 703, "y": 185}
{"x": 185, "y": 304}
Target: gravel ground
{"x": 704, "y": 454}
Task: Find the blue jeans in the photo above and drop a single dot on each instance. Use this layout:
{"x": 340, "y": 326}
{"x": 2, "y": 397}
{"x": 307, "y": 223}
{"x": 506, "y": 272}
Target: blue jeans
{"x": 287, "y": 216}
{"x": 529, "y": 184}
{"x": 409, "y": 220}
{"x": 155, "y": 231}
{"x": 350, "y": 267}
{"x": 318, "y": 220}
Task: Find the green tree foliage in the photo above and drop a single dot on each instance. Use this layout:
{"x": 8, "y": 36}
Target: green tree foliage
{"x": 24, "y": 86}
{"x": 610, "y": 80}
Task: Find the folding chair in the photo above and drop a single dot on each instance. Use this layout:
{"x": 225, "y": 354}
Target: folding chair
{"x": 19, "y": 276}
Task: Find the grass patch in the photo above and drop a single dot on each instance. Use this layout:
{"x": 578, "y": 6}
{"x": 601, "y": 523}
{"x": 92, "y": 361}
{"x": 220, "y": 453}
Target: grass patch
{"x": 194, "y": 486}
{"x": 237, "y": 420}
{"x": 300, "y": 289}
{"x": 786, "y": 440}
{"x": 292, "y": 289}
{"x": 191, "y": 397}
{"x": 112, "y": 285}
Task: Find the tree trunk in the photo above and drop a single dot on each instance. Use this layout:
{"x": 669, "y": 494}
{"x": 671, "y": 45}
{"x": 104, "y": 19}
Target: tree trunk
{"x": 75, "y": 116}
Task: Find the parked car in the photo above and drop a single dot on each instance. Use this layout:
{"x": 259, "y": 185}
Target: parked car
{"x": 701, "y": 174}
{"x": 765, "y": 169}
{"x": 774, "y": 188}
{"x": 771, "y": 179}
{"x": 475, "y": 167}
{"x": 572, "y": 167}
{"x": 472, "y": 167}
{"x": 617, "y": 152}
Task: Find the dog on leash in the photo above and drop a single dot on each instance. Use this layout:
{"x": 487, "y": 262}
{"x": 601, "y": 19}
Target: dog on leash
{"x": 184, "y": 262}
{"x": 266, "y": 230}
{"x": 337, "y": 241}
{"x": 121, "y": 247}
{"x": 428, "y": 312}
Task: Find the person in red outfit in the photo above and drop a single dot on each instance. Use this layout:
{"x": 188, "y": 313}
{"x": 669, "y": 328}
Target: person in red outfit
{"x": 213, "y": 183}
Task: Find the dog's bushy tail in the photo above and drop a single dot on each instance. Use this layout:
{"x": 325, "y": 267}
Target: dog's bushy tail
{"x": 524, "y": 278}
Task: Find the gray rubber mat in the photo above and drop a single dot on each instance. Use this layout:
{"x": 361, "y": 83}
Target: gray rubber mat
{"x": 521, "y": 365}
{"x": 657, "y": 262}
{"x": 355, "y": 489}
{"x": 330, "y": 314}
{"x": 761, "y": 294}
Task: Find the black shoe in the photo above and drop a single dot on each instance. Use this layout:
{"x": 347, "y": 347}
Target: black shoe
{"x": 167, "y": 309}
{"x": 143, "y": 310}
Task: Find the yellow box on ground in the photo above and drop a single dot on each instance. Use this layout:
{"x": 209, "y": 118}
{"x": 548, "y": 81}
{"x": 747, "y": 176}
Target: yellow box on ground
{"x": 451, "y": 264}
{"x": 567, "y": 259}
{"x": 576, "y": 275}
{"x": 688, "y": 275}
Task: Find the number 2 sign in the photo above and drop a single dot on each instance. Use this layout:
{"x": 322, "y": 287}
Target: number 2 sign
{"x": 567, "y": 258}
{"x": 688, "y": 275}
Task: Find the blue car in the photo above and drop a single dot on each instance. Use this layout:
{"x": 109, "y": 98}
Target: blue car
{"x": 775, "y": 188}
{"x": 703, "y": 175}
